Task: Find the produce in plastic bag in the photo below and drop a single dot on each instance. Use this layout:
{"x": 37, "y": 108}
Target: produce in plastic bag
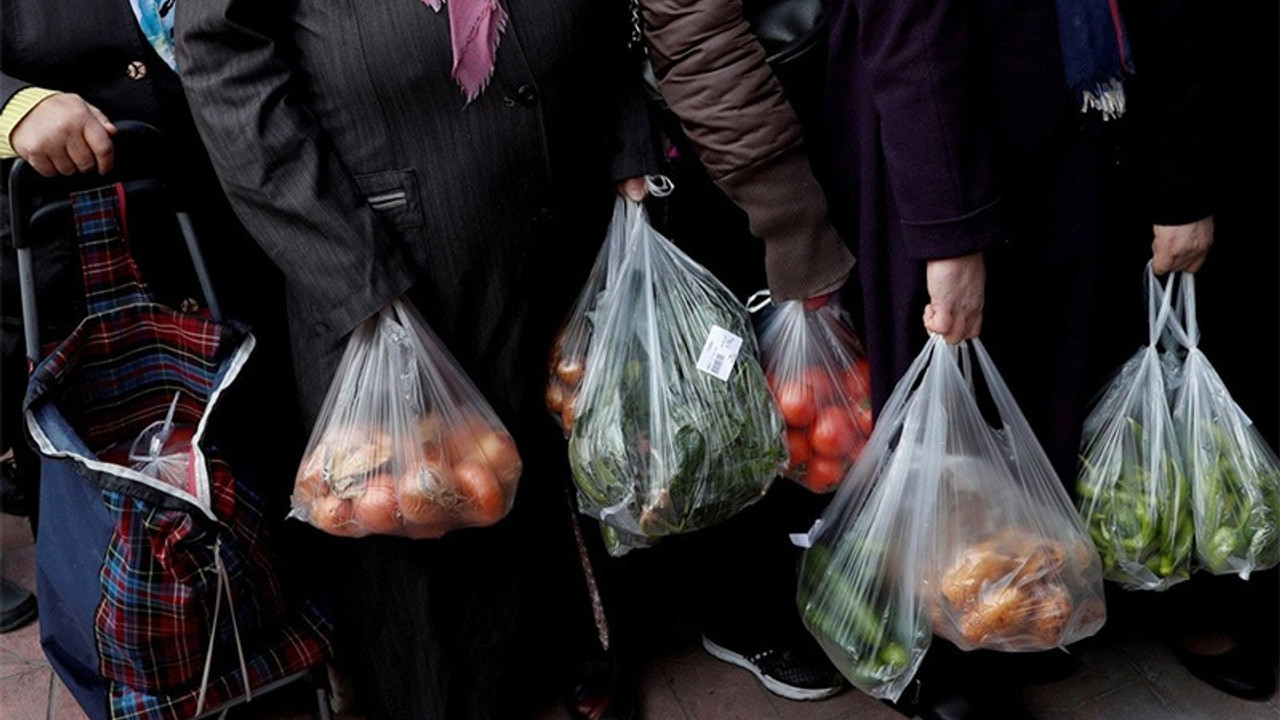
{"x": 819, "y": 375}
{"x": 404, "y": 444}
{"x": 163, "y": 449}
{"x": 569, "y": 352}
{"x": 1133, "y": 491}
{"x": 948, "y": 526}
{"x": 1233, "y": 473}
{"x": 675, "y": 429}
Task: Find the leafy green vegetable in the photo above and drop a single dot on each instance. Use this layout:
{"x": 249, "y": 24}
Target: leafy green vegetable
{"x": 659, "y": 446}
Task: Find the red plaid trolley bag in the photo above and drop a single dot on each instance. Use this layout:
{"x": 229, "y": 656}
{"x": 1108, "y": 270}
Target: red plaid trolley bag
{"x": 159, "y": 598}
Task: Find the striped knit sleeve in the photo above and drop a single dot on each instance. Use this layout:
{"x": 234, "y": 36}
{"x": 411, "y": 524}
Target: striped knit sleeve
{"x": 17, "y": 108}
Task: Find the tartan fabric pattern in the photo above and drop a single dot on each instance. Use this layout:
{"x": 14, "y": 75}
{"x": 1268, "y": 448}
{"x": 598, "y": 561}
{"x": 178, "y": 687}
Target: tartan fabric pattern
{"x": 158, "y": 581}
{"x": 127, "y": 364}
{"x": 111, "y": 278}
{"x": 160, "y": 584}
{"x": 289, "y": 648}
{"x": 130, "y": 355}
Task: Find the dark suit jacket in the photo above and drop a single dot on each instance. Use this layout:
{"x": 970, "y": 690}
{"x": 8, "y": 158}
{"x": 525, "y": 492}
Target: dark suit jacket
{"x": 347, "y": 150}
{"x": 312, "y": 113}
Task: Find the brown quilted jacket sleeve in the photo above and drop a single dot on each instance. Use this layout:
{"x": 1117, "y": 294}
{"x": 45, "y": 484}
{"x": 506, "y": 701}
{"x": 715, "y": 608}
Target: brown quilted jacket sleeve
{"x": 712, "y": 72}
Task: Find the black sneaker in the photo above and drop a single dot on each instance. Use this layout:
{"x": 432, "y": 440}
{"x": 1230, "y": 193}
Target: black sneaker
{"x": 799, "y": 672}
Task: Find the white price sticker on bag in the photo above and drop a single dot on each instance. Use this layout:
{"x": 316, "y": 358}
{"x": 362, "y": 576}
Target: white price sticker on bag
{"x": 719, "y": 353}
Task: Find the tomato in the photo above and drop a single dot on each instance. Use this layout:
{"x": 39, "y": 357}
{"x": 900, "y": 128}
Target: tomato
{"x": 333, "y": 515}
{"x": 430, "y": 428}
{"x": 310, "y": 484}
{"x": 857, "y": 386}
{"x": 570, "y": 371}
{"x": 179, "y": 440}
{"x": 832, "y": 432}
{"x": 569, "y": 413}
{"x": 822, "y": 384}
{"x": 422, "y": 513}
{"x": 376, "y": 510}
{"x": 798, "y": 447}
{"x": 823, "y": 474}
{"x": 462, "y": 436}
{"x": 499, "y": 451}
{"x": 477, "y": 483}
{"x": 795, "y": 400}
{"x": 555, "y": 397}
{"x": 814, "y": 303}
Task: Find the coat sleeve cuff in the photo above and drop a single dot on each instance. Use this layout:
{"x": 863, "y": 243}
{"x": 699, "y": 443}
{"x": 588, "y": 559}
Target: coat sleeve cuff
{"x": 954, "y": 237}
{"x": 19, "y": 104}
{"x": 787, "y": 210}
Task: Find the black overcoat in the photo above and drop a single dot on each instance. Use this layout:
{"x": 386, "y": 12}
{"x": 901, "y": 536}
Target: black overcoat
{"x": 488, "y": 215}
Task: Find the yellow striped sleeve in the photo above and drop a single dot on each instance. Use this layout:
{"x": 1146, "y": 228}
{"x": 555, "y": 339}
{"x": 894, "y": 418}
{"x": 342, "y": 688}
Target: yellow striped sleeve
{"x": 17, "y": 108}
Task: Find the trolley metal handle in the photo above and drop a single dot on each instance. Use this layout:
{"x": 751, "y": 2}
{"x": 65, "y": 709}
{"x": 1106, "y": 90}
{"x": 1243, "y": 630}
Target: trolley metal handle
{"x": 138, "y": 175}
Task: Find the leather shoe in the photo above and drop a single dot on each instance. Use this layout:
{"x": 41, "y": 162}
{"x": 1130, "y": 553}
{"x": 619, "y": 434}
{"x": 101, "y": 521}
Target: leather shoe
{"x": 17, "y": 606}
{"x": 1242, "y": 671}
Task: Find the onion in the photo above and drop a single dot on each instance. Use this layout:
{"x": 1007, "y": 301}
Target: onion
{"x": 377, "y": 510}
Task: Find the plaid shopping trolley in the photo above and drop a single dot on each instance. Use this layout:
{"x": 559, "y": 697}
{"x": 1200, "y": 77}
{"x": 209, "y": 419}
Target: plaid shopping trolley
{"x": 159, "y": 595}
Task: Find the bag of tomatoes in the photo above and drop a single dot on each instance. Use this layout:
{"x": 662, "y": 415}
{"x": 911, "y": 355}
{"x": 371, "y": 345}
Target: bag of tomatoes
{"x": 405, "y": 444}
{"x": 569, "y": 352}
{"x": 819, "y": 376}
{"x": 675, "y": 428}
{"x": 947, "y": 526}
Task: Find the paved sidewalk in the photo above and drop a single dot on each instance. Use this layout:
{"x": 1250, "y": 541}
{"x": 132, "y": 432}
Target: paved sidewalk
{"x": 1123, "y": 676}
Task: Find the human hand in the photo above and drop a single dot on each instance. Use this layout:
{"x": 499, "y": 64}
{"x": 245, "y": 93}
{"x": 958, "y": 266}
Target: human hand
{"x": 956, "y": 287}
{"x": 1181, "y": 247}
{"x": 634, "y": 188}
{"x": 64, "y": 134}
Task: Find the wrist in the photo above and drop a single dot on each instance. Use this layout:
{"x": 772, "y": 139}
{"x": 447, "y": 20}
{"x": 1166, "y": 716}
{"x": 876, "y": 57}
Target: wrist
{"x": 19, "y": 105}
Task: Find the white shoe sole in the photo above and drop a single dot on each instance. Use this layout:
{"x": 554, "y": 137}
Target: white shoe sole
{"x": 774, "y": 686}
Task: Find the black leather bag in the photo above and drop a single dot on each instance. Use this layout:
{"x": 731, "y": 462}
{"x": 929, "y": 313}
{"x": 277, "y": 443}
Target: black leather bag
{"x": 788, "y": 29}
{"x": 791, "y": 32}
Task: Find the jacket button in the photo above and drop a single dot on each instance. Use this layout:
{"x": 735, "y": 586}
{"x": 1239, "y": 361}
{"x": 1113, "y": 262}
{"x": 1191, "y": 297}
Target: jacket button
{"x": 527, "y": 95}
{"x": 137, "y": 70}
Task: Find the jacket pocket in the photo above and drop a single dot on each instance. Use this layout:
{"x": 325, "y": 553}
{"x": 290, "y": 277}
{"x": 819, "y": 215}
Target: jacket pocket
{"x": 393, "y": 194}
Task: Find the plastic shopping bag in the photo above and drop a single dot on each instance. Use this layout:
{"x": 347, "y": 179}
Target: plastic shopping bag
{"x": 675, "y": 428}
{"x": 947, "y": 526}
{"x": 163, "y": 449}
{"x": 1132, "y": 487}
{"x": 1233, "y": 473}
{"x": 405, "y": 444}
{"x": 819, "y": 376}
{"x": 569, "y": 352}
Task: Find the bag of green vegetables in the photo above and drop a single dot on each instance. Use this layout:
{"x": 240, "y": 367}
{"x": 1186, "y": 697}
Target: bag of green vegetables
{"x": 947, "y": 525}
{"x": 1132, "y": 486}
{"x": 674, "y": 427}
{"x": 1233, "y": 473}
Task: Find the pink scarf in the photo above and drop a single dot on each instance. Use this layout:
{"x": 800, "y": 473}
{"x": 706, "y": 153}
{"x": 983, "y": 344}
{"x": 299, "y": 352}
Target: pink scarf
{"x": 475, "y": 27}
